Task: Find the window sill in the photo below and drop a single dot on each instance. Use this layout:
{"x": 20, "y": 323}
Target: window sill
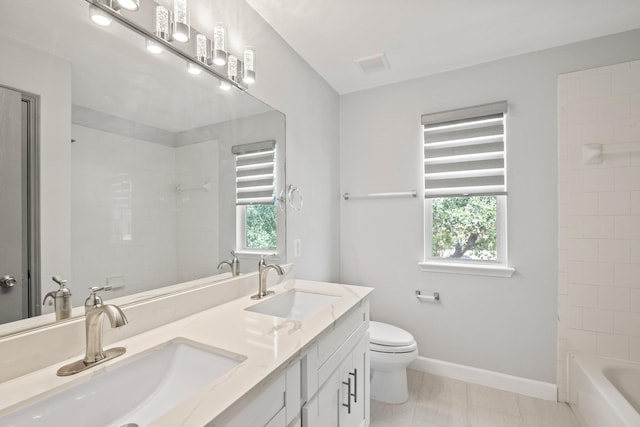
{"x": 463, "y": 268}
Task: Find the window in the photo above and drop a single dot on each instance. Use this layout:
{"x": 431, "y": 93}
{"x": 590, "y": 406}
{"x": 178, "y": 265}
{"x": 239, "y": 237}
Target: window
{"x": 465, "y": 190}
{"x": 255, "y": 196}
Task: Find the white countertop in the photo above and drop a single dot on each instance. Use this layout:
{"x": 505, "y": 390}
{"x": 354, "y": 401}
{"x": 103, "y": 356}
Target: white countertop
{"x": 267, "y": 342}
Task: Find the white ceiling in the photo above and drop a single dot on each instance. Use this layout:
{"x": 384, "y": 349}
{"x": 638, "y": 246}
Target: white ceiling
{"x": 423, "y": 37}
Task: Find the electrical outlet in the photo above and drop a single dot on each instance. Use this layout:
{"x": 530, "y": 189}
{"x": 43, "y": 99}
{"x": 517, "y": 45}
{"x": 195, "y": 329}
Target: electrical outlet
{"x": 297, "y": 248}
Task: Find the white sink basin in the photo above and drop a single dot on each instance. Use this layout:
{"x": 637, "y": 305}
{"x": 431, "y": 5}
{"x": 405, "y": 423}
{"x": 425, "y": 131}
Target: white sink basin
{"x": 133, "y": 393}
{"x": 294, "y": 305}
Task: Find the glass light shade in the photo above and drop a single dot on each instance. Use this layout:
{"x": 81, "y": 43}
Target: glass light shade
{"x": 232, "y": 68}
{"x": 193, "y": 69}
{"x": 201, "y": 48}
{"x": 219, "y": 44}
{"x": 154, "y": 47}
{"x": 99, "y": 17}
{"x": 132, "y": 5}
{"x": 224, "y": 85}
{"x": 249, "y": 60}
{"x": 162, "y": 22}
{"x": 181, "y": 28}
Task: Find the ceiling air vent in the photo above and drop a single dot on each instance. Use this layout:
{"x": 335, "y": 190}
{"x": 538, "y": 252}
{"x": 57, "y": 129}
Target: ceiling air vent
{"x": 374, "y": 63}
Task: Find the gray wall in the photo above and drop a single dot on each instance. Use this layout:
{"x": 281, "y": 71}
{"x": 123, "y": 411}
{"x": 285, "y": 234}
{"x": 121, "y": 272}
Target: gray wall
{"x": 506, "y": 325}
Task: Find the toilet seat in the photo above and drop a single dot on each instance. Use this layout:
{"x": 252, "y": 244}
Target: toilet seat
{"x": 385, "y": 338}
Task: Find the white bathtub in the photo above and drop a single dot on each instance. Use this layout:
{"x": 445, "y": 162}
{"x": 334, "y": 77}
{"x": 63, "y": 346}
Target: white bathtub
{"x": 604, "y": 392}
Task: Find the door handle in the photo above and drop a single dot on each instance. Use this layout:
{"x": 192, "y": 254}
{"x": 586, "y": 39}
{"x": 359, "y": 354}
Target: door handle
{"x": 8, "y": 281}
{"x": 349, "y": 394}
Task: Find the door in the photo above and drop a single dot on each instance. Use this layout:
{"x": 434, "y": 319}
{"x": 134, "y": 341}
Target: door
{"x": 13, "y": 292}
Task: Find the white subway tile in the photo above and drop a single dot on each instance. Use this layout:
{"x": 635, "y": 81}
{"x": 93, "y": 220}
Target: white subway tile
{"x": 627, "y": 227}
{"x": 634, "y": 300}
{"x": 634, "y": 349}
{"x": 583, "y": 250}
{"x": 574, "y": 227}
{"x": 599, "y": 180}
{"x": 575, "y": 181}
{"x": 563, "y": 281}
{"x": 613, "y": 298}
{"x": 625, "y": 81}
{"x": 583, "y": 341}
{"x": 614, "y": 203}
{"x": 575, "y": 317}
{"x": 583, "y": 296}
{"x": 598, "y": 273}
{"x": 575, "y": 272}
{"x": 626, "y": 130}
{"x": 597, "y": 132}
{"x": 616, "y": 346}
{"x": 627, "y": 323}
{"x": 573, "y": 87}
{"x": 634, "y": 105}
{"x": 583, "y": 203}
{"x": 634, "y": 203}
{"x": 594, "y": 319}
{"x": 598, "y": 227}
{"x": 582, "y": 112}
{"x": 634, "y": 252}
{"x": 612, "y": 250}
{"x": 627, "y": 275}
{"x": 613, "y": 108}
{"x": 595, "y": 85}
{"x": 627, "y": 179}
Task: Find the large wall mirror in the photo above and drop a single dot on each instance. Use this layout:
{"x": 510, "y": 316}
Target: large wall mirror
{"x": 153, "y": 152}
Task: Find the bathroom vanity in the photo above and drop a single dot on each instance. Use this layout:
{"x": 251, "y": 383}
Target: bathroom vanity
{"x": 298, "y": 357}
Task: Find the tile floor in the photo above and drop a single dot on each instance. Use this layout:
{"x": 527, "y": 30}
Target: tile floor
{"x": 436, "y": 401}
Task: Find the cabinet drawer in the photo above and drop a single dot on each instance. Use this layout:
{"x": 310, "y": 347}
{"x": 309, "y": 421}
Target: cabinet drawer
{"x": 342, "y": 329}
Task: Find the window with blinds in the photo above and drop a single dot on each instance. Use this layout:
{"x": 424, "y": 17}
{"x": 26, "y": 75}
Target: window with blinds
{"x": 464, "y": 151}
{"x": 255, "y": 173}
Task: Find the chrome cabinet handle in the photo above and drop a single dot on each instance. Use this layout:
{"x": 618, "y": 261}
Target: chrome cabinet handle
{"x": 355, "y": 384}
{"x": 349, "y": 394}
{"x": 8, "y": 281}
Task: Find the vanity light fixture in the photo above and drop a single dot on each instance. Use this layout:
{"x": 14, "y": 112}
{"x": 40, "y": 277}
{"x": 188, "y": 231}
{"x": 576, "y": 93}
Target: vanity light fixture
{"x": 193, "y": 68}
{"x": 219, "y": 41}
{"x": 249, "y": 60}
{"x": 132, "y": 5}
{"x": 181, "y": 30}
{"x": 99, "y": 16}
{"x": 162, "y": 22}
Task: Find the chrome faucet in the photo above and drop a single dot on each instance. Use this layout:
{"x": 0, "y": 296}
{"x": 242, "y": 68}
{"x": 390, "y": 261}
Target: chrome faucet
{"x": 234, "y": 264}
{"x": 263, "y": 270}
{"x": 95, "y": 310}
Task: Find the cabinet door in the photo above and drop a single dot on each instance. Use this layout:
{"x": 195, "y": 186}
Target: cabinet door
{"x": 323, "y": 409}
{"x": 354, "y": 383}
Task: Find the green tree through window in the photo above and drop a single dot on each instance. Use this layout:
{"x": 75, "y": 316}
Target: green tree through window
{"x": 261, "y": 227}
{"x": 464, "y": 227}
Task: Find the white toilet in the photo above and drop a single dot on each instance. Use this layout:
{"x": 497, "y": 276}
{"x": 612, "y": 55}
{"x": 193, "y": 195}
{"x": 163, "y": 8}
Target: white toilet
{"x": 391, "y": 349}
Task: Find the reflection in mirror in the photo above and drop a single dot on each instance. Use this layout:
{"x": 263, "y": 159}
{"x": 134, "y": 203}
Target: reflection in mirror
{"x": 153, "y": 191}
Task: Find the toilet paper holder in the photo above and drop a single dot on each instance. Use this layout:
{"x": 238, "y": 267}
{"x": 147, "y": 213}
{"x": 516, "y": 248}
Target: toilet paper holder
{"x": 432, "y": 298}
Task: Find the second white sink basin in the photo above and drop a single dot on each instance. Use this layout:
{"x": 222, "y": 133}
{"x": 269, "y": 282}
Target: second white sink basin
{"x": 294, "y": 305}
{"x": 132, "y": 394}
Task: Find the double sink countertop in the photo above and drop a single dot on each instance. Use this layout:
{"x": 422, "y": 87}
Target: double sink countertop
{"x": 267, "y": 342}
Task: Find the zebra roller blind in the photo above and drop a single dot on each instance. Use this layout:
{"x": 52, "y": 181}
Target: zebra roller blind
{"x": 464, "y": 151}
{"x": 255, "y": 173}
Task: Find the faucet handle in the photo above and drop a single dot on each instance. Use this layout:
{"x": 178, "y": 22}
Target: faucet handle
{"x": 94, "y": 299}
{"x": 59, "y": 280}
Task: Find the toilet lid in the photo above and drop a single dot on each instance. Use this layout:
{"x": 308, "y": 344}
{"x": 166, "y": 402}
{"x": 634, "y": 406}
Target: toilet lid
{"x": 393, "y": 348}
{"x": 389, "y": 335}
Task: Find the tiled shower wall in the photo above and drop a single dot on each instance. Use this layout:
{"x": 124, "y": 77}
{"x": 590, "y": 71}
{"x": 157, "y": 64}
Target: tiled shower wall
{"x": 599, "y": 216}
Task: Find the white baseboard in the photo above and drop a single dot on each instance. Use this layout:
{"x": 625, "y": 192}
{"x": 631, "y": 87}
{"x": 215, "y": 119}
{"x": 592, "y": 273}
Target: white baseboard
{"x": 525, "y": 386}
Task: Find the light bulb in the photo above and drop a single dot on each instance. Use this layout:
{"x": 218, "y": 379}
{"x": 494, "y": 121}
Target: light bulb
{"x": 99, "y": 17}
{"x": 162, "y": 22}
{"x": 219, "y": 42}
{"x": 180, "y": 21}
{"x": 224, "y": 85}
{"x": 201, "y": 48}
{"x": 232, "y": 68}
{"x": 193, "y": 69}
{"x": 249, "y": 59}
{"x": 154, "y": 47}
{"x": 132, "y": 5}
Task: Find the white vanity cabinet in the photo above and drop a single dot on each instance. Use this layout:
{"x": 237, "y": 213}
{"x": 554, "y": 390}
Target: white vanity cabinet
{"x": 337, "y": 369}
